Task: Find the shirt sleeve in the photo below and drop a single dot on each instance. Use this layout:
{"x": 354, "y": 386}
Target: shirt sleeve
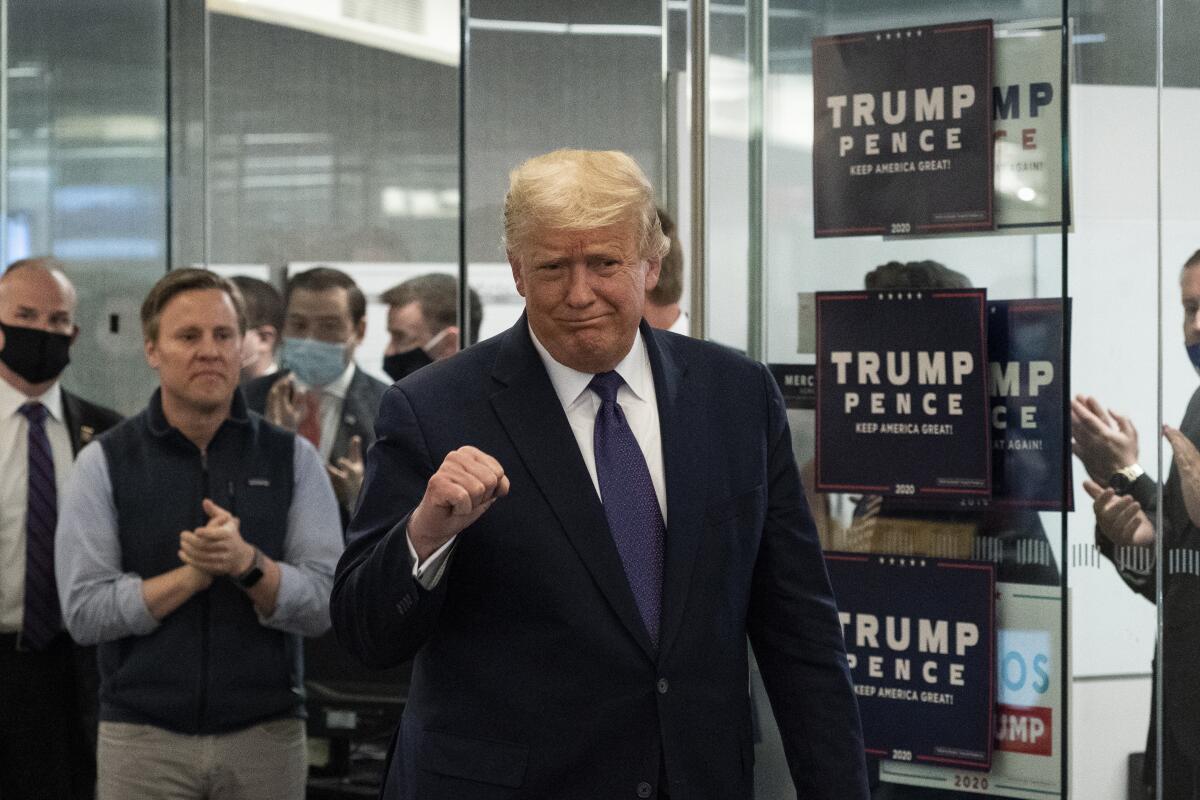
{"x": 311, "y": 548}
{"x": 429, "y": 572}
{"x": 99, "y": 602}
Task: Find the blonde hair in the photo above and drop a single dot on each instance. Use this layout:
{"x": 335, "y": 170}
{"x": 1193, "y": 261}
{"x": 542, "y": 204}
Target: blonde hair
{"x": 581, "y": 190}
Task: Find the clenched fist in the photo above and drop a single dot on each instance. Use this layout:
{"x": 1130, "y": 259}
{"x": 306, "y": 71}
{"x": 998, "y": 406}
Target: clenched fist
{"x": 462, "y": 489}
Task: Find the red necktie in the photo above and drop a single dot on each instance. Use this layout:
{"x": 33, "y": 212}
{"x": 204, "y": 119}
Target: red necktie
{"x": 310, "y": 423}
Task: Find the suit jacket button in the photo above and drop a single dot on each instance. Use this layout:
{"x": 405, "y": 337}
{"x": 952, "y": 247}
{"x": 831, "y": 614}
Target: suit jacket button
{"x": 662, "y": 686}
{"x": 644, "y": 790}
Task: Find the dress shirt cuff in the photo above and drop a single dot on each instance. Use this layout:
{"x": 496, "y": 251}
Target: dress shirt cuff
{"x": 293, "y": 612}
{"x": 429, "y": 572}
{"x": 131, "y": 605}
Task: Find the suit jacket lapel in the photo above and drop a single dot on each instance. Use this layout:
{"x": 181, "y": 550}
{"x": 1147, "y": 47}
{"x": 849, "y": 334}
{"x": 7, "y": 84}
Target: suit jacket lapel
{"x": 354, "y": 420}
{"x": 530, "y": 412}
{"x": 80, "y": 433}
{"x": 681, "y": 429}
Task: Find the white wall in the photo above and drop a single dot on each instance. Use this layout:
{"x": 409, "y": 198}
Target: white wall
{"x": 1109, "y": 720}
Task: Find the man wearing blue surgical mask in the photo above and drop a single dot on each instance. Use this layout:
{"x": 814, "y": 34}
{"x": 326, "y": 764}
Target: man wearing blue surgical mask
{"x": 321, "y": 393}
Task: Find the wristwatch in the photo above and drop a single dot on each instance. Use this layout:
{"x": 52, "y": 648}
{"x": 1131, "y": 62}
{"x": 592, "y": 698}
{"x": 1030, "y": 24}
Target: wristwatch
{"x": 1123, "y": 479}
{"x": 253, "y": 575}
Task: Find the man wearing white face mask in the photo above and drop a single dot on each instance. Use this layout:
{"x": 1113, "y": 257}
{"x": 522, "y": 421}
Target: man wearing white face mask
{"x": 321, "y": 393}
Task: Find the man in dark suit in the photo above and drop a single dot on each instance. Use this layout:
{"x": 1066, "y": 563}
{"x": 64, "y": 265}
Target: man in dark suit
{"x": 575, "y": 525}
{"x": 47, "y": 683}
{"x": 321, "y": 393}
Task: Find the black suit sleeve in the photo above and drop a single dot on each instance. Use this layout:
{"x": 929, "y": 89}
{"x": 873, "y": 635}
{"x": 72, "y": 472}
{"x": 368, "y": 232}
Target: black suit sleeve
{"x": 1145, "y": 491}
{"x": 380, "y": 613}
{"x": 797, "y": 638}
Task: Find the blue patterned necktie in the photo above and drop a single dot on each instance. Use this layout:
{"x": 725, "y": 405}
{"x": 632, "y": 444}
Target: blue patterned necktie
{"x": 630, "y": 503}
{"x": 43, "y": 619}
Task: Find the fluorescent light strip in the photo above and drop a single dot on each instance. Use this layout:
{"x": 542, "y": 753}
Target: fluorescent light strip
{"x": 568, "y": 28}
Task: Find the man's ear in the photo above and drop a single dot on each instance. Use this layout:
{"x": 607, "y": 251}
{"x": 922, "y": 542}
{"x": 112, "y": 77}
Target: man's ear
{"x": 74, "y": 333}
{"x": 151, "y": 353}
{"x": 653, "y": 270}
{"x": 360, "y": 330}
{"x": 447, "y": 345}
{"x": 518, "y": 278}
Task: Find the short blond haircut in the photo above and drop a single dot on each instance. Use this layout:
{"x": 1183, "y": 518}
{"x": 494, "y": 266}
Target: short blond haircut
{"x": 581, "y": 190}
{"x": 187, "y": 279}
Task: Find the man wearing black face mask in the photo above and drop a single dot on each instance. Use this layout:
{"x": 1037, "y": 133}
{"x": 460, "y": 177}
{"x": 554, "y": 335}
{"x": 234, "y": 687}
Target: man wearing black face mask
{"x": 423, "y": 322}
{"x": 47, "y": 684}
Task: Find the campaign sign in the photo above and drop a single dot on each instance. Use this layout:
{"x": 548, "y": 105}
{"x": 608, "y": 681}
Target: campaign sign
{"x": 920, "y": 640}
{"x": 1027, "y": 108}
{"x": 902, "y": 394}
{"x": 1027, "y": 757}
{"x": 902, "y": 140}
{"x": 1025, "y": 353}
{"x": 798, "y": 383}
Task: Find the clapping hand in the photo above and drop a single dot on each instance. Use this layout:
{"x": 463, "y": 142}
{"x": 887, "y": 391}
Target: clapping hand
{"x": 1187, "y": 462}
{"x": 1103, "y": 440}
{"x": 218, "y": 547}
{"x": 1120, "y": 518}
{"x": 284, "y": 407}
{"x": 347, "y": 475}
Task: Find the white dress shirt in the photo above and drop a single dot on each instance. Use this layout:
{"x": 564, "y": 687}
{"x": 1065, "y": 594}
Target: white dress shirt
{"x": 333, "y": 397}
{"x": 637, "y": 399}
{"x": 638, "y": 402}
{"x": 14, "y": 488}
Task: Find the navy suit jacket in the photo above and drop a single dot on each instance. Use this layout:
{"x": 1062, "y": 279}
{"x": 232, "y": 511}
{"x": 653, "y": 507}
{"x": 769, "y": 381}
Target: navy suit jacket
{"x": 534, "y": 676}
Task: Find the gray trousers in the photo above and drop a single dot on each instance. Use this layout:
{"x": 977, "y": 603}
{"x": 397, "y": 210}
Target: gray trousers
{"x": 263, "y": 762}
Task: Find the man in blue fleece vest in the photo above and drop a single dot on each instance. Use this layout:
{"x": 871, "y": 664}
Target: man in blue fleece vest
{"x": 196, "y": 545}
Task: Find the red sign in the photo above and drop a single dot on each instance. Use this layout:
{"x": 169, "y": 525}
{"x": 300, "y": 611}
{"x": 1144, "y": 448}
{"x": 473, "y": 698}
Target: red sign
{"x": 1024, "y": 729}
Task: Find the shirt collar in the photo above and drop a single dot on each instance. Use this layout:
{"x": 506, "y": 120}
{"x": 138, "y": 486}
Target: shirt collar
{"x": 239, "y": 412}
{"x": 11, "y": 400}
{"x": 570, "y": 384}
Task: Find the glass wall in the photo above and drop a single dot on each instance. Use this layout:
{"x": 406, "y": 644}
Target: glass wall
{"x": 539, "y": 76}
{"x": 1020, "y": 267}
{"x": 86, "y": 171}
{"x": 261, "y": 137}
{"x": 330, "y": 139}
{"x": 1177, "y": 551}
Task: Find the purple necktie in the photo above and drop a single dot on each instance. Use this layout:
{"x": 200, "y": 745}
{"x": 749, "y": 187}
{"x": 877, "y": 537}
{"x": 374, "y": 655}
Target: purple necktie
{"x": 630, "y": 503}
{"x": 43, "y": 619}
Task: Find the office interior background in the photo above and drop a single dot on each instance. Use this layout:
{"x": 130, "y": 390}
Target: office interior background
{"x": 263, "y": 136}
